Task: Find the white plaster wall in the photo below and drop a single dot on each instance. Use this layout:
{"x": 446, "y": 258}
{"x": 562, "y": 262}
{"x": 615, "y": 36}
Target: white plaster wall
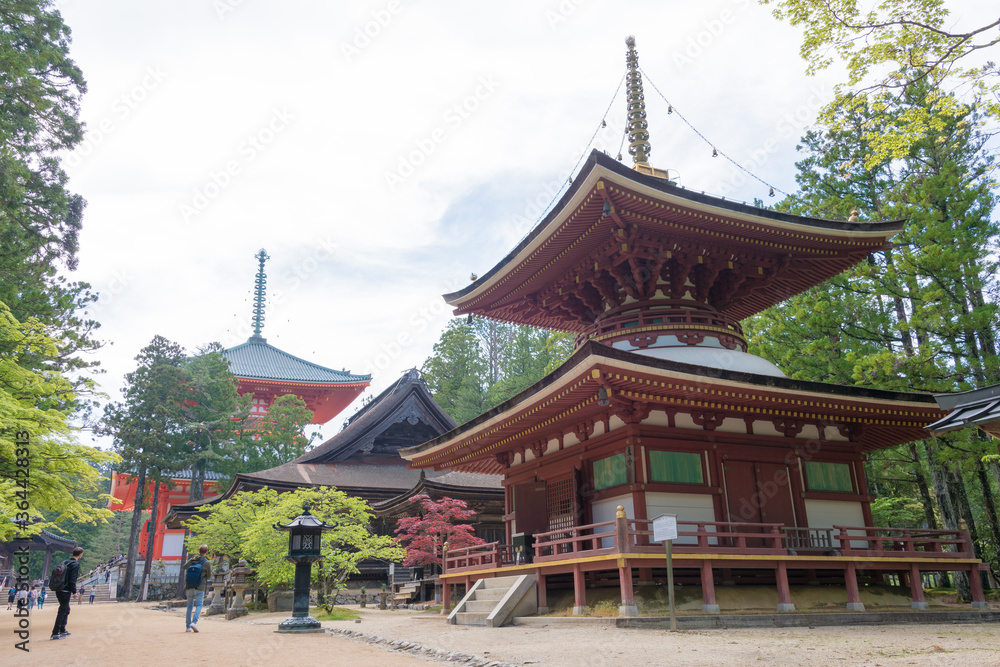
{"x": 605, "y": 510}
{"x": 687, "y": 507}
{"x": 827, "y": 513}
{"x": 173, "y": 544}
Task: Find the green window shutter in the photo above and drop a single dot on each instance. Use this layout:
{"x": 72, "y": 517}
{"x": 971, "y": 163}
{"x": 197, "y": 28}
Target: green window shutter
{"x": 609, "y": 472}
{"x": 829, "y": 476}
{"x": 682, "y": 467}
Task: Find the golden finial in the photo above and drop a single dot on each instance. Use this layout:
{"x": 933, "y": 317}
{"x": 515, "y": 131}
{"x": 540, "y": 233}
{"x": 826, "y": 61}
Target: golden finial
{"x": 620, "y": 514}
{"x": 638, "y": 135}
{"x": 854, "y": 215}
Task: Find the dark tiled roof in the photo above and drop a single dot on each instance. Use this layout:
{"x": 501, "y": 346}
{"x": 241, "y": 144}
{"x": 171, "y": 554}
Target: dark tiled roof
{"x": 346, "y": 475}
{"x": 980, "y": 407}
{"x": 186, "y": 474}
{"x": 407, "y": 397}
{"x": 257, "y": 360}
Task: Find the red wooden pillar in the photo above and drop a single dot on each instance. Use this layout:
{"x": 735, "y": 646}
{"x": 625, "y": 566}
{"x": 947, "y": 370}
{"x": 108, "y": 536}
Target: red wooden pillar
{"x": 543, "y": 598}
{"x": 627, "y": 607}
{"x": 976, "y": 584}
{"x": 853, "y": 594}
{"x": 579, "y": 591}
{"x": 917, "y": 588}
{"x": 708, "y": 603}
{"x": 784, "y": 592}
{"x": 445, "y": 597}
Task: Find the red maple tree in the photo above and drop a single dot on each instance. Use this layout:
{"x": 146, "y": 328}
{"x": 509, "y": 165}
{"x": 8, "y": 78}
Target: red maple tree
{"x": 423, "y": 535}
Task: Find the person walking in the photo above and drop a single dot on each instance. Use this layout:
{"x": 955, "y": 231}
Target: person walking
{"x": 41, "y": 598}
{"x": 197, "y": 572}
{"x": 32, "y": 598}
{"x": 10, "y": 598}
{"x": 93, "y": 590}
{"x": 66, "y": 591}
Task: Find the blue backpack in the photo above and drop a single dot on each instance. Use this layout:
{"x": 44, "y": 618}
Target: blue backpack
{"x": 192, "y": 578}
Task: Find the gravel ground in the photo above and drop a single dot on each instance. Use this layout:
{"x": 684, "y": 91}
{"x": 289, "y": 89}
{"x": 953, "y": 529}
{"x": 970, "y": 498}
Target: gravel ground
{"x": 105, "y": 634}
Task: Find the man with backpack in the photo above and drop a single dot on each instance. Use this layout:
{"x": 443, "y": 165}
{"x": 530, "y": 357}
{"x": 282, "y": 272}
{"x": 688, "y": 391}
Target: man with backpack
{"x": 63, "y": 584}
{"x": 197, "y": 572}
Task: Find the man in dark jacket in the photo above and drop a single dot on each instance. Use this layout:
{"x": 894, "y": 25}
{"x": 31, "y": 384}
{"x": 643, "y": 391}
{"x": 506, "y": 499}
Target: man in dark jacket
{"x": 72, "y": 573}
{"x": 196, "y": 594}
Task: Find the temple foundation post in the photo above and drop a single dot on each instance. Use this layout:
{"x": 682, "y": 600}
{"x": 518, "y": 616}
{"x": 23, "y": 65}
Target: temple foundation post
{"x": 579, "y": 591}
{"x": 708, "y": 603}
{"x": 853, "y": 594}
{"x": 917, "y": 588}
{"x": 784, "y": 592}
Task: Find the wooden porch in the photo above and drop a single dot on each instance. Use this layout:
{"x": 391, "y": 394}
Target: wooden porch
{"x": 725, "y": 552}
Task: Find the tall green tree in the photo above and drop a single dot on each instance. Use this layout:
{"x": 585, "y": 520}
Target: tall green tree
{"x": 259, "y": 442}
{"x": 479, "y": 364}
{"x": 148, "y": 428}
{"x": 917, "y": 316}
{"x": 40, "y": 220}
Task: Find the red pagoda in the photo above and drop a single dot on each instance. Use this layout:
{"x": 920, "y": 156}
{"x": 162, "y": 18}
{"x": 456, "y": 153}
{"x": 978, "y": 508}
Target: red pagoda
{"x": 661, "y": 409}
{"x": 266, "y": 372}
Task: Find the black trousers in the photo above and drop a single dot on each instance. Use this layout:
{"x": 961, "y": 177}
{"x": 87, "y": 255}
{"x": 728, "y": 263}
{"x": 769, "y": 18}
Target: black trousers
{"x": 63, "y": 614}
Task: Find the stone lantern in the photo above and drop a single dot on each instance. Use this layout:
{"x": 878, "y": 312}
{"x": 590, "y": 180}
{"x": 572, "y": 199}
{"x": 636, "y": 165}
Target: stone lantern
{"x": 218, "y": 605}
{"x": 304, "y": 534}
{"x": 238, "y": 581}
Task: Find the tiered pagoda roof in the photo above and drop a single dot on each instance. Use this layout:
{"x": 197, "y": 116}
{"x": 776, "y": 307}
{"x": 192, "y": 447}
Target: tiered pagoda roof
{"x": 566, "y": 406}
{"x": 620, "y": 236}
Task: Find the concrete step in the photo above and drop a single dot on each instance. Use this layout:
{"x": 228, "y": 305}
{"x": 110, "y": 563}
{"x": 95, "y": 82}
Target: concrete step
{"x": 495, "y": 594}
{"x": 500, "y": 582}
{"x": 471, "y": 618}
{"x": 480, "y": 605}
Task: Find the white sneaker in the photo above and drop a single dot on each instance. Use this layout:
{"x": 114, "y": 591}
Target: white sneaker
{"x": 189, "y": 629}
{"x": 194, "y": 627}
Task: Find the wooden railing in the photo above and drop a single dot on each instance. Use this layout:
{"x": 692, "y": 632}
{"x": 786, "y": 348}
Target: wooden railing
{"x": 711, "y": 536}
{"x": 557, "y": 544}
{"x": 623, "y": 536}
{"x": 875, "y": 542}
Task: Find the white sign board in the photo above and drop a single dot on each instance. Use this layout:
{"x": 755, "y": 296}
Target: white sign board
{"x": 665, "y": 527}
{"x": 392, "y": 569}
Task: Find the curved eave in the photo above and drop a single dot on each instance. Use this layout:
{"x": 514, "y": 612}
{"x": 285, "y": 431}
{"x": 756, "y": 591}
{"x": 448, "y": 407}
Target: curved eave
{"x": 347, "y": 384}
{"x": 579, "y": 213}
{"x": 569, "y": 395}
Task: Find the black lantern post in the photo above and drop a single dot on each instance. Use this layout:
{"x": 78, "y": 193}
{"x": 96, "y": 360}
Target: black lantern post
{"x": 304, "y": 536}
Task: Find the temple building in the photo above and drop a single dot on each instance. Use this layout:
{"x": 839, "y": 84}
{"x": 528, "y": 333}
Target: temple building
{"x": 662, "y": 411}
{"x": 363, "y": 460}
{"x": 265, "y": 372}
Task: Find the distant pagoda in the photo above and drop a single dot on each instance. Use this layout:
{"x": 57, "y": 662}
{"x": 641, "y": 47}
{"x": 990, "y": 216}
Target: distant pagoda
{"x": 267, "y": 372}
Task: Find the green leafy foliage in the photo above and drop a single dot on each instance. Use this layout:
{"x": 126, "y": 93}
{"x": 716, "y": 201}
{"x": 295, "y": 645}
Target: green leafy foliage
{"x": 892, "y": 46}
{"x": 243, "y": 527}
{"x": 60, "y": 474}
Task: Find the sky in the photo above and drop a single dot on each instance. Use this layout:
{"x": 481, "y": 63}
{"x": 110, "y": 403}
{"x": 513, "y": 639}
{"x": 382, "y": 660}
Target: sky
{"x": 383, "y": 151}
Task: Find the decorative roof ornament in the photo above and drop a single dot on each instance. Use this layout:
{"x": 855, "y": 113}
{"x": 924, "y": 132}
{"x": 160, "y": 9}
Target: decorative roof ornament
{"x": 638, "y": 134}
{"x": 259, "y": 290}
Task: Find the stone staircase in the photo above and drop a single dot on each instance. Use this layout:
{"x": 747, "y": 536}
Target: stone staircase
{"x": 493, "y": 602}
{"x": 405, "y": 592}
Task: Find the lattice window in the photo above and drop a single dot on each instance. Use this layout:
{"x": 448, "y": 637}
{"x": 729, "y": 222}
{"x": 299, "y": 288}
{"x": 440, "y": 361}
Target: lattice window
{"x": 560, "y": 504}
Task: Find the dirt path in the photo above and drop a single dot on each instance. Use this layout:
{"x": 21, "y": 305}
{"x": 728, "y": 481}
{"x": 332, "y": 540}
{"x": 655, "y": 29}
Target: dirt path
{"x": 130, "y": 634}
